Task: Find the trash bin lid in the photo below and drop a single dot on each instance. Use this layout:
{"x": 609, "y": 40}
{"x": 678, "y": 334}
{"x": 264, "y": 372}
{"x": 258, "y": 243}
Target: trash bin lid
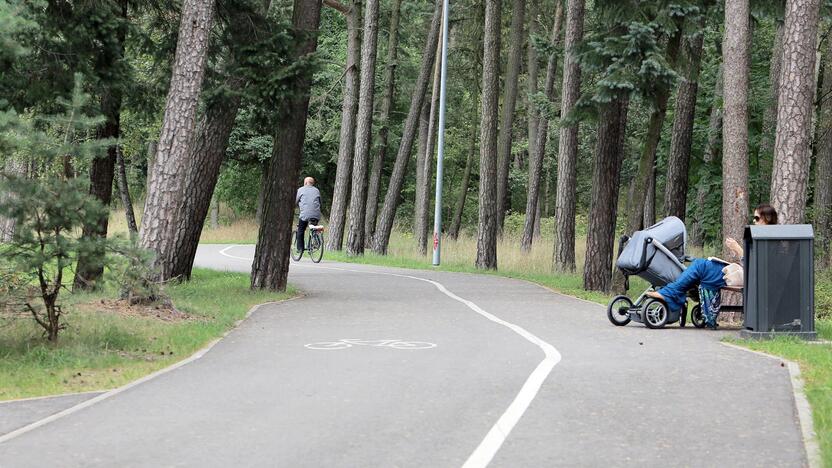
{"x": 780, "y": 231}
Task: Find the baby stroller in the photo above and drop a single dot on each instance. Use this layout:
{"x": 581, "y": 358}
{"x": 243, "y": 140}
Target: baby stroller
{"x": 657, "y": 255}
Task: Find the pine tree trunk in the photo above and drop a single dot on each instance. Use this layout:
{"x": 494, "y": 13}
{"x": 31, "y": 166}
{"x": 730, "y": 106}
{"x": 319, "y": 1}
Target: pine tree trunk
{"x": 539, "y": 147}
{"x": 649, "y": 218}
{"x": 270, "y": 268}
{"x": 421, "y": 153}
{"x": 346, "y": 143}
{"x": 515, "y": 53}
{"x": 712, "y": 151}
{"x": 384, "y": 123}
{"x": 646, "y": 166}
{"x": 765, "y": 154}
{"x": 603, "y": 209}
{"x": 8, "y": 226}
{"x": 90, "y": 267}
{"x": 215, "y": 213}
{"x": 411, "y": 123}
{"x": 363, "y": 132}
{"x": 489, "y": 205}
{"x": 823, "y": 170}
{"x": 456, "y": 221}
{"x": 678, "y": 163}
{"x": 564, "y": 244}
{"x": 124, "y": 192}
{"x": 792, "y": 153}
{"x": 207, "y": 152}
{"x": 424, "y": 167}
{"x": 171, "y": 164}
{"x": 532, "y": 77}
{"x": 735, "y": 125}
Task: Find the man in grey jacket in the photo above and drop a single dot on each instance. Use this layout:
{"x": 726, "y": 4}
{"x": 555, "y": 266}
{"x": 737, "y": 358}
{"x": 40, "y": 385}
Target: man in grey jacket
{"x": 308, "y": 200}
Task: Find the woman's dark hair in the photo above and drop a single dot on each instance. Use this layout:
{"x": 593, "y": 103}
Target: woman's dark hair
{"x": 767, "y": 212}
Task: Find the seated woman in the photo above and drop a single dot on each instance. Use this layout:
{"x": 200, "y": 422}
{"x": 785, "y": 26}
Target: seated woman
{"x": 707, "y": 275}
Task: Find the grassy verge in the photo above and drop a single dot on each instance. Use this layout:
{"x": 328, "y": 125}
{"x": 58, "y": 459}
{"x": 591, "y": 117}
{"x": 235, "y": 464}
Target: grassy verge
{"x": 102, "y": 349}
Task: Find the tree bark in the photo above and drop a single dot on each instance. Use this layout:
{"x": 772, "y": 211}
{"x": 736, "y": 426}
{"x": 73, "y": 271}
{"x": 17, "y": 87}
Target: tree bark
{"x": 346, "y": 143}
{"x": 735, "y": 126}
{"x": 712, "y": 151}
{"x": 765, "y": 154}
{"x": 603, "y": 210}
{"x": 207, "y": 152}
{"x": 456, "y": 221}
{"x": 539, "y": 148}
{"x": 421, "y": 153}
{"x": 649, "y": 218}
{"x": 644, "y": 182}
{"x": 215, "y": 213}
{"x": 678, "y": 163}
{"x": 394, "y": 188}
{"x": 424, "y": 168}
{"x": 363, "y": 132}
{"x": 384, "y": 123}
{"x": 532, "y": 78}
{"x": 8, "y": 226}
{"x": 124, "y": 192}
{"x": 270, "y": 268}
{"x": 564, "y": 243}
{"x": 823, "y": 170}
{"x": 489, "y": 205}
{"x": 515, "y": 52}
{"x": 170, "y": 164}
{"x": 792, "y": 152}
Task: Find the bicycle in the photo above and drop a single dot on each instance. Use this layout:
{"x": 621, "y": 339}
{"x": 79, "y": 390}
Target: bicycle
{"x": 314, "y": 244}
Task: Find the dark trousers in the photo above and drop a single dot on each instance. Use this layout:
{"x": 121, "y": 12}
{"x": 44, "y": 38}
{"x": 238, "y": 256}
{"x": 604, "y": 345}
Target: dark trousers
{"x": 302, "y": 224}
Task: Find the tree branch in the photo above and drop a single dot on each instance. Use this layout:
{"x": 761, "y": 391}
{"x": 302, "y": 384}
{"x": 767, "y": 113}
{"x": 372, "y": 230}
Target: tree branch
{"x": 338, "y": 6}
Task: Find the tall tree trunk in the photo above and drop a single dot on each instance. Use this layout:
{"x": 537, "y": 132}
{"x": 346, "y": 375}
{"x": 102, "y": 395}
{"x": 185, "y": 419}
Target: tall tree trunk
{"x": 124, "y": 192}
{"x": 678, "y": 163}
{"x": 564, "y": 249}
{"x": 603, "y": 209}
{"x": 424, "y": 167}
{"x": 539, "y": 147}
{"x": 792, "y": 152}
{"x": 215, "y": 213}
{"x": 650, "y": 200}
{"x": 394, "y": 188}
{"x": 765, "y": 154}
{"x": 8, "y": 226}
{"x": 646, "y": 165}
{"x": 364, "y": 129}
{"x": 207, "y": 152}
{"x": 421, "y": 153}
{"x": 456, "y": 221}
{"x": 384, "y": 123}
{"x": 735, "y": 127}
{"x": 270, "y": 268}
{"x": 171, "y": 164}
{"x": 346, "y": 143}
{"x": 90, "y": 266}
{"x": 489, "y": 205}
{"x": 712, "y": 151}
{"x": 515, "y": 53}
{"x": 823, "y": 170}
{"x": 532, "y": 77}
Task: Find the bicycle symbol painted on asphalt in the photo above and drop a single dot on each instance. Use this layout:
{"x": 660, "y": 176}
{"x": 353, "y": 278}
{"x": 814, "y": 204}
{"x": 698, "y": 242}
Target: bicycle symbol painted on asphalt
{"x": 349, "y": 343}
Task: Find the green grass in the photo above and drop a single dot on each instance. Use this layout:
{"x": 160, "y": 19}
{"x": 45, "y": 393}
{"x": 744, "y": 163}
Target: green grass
{"x": 102, "y": 350}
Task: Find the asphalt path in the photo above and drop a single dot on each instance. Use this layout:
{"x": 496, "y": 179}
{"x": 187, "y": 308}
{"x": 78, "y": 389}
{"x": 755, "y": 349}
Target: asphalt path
{"x": 388, "y": 367}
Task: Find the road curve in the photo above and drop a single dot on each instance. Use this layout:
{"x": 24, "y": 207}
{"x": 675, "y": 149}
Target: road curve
{"x": 387, "y": 367}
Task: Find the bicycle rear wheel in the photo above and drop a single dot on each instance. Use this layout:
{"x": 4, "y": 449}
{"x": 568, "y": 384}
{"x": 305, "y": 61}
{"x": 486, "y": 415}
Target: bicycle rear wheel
{"x": 316, "y": 246}
{"x": 296, "y": 254}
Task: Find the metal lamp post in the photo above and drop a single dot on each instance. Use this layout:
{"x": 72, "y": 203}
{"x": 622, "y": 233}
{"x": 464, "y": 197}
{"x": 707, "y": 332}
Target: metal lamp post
{"x": 437, "y": 212}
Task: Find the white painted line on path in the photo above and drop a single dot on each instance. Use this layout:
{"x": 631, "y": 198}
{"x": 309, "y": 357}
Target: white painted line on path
{"x": 492, "y": 442}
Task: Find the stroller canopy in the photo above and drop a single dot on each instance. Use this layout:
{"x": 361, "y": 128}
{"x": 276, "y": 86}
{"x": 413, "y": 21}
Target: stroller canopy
{"x": 640, "y": 257}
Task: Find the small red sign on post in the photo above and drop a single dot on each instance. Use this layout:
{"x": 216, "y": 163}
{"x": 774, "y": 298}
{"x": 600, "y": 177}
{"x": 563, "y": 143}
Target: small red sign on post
{"x": 435, "y": 241}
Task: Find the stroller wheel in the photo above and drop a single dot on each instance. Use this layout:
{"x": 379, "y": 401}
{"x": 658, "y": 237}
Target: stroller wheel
{"x": 654, "y": 313}
{"x": 618, "y": 310}
{"x": 696, "y": 316}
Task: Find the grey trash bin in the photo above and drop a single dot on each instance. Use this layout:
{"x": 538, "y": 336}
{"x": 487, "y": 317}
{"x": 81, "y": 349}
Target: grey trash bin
{"x": 779, "y": 293}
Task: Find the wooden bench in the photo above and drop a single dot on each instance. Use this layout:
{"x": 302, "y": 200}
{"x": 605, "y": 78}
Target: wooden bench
{"x": 731, "y": 307}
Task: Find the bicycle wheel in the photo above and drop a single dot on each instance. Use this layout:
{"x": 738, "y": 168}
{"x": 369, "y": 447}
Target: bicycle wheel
{"x": 316, "y": 249}
{"x": 296, "y": 254}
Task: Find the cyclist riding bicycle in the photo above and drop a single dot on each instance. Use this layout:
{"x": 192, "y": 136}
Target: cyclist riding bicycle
{"x": 308, "y": 200}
